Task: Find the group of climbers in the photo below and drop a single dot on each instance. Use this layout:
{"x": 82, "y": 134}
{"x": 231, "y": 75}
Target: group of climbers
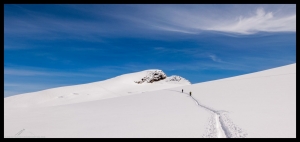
{"x": 190, "y": 92}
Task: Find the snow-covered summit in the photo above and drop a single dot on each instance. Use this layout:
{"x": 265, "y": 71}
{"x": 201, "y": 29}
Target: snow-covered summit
{"x": 126, "y": 84}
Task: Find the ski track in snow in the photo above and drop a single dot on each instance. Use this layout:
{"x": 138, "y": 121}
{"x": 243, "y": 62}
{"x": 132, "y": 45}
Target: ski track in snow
{"x": 219, "y": 126}
{"x": 20, "y": 132}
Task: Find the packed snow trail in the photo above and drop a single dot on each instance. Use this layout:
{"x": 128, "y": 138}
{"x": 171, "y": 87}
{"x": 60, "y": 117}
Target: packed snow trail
{"x": 220, "y": 126}
{"x": 20, "y": 132}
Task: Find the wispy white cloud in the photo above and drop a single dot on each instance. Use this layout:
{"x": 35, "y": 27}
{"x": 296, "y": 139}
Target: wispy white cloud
{"x": 150, "y": 20}
{"x": 174, "y": 29}
{"x": 214, "y": 57}
{"x": 195, "y": 52}
{"x": 41, "y": 25}
{"x": 34, "y": 72}
{"x": 261, "y": 21}
{"x": 192, "y": 19}
{"x": 53, "y": 28}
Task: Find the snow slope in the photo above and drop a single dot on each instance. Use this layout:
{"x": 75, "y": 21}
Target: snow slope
{"x": 122, "y": 85}
{"x": 261, "y": 104}
{"x": 151, "y": 114}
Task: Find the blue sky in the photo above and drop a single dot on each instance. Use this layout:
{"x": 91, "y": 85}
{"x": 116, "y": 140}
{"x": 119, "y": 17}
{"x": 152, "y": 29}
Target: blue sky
{"x": 53, "y": 45}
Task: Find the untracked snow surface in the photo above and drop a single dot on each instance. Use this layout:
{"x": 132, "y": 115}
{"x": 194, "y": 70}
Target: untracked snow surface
{"x": 261, "y": 104}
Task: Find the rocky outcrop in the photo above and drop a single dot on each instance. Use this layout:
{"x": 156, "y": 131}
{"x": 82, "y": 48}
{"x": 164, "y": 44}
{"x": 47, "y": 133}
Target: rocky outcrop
{"x": 152, "y": 76}
{"x": 160, "y": 76}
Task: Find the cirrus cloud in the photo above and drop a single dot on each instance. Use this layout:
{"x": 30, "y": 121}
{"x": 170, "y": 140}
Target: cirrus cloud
{"x": 261, "y": 21}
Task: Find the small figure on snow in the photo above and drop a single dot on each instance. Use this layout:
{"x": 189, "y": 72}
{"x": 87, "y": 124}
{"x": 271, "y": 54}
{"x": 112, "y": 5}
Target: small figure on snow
{"x": 190, "y": 93}
{"x": 182, "y": 90}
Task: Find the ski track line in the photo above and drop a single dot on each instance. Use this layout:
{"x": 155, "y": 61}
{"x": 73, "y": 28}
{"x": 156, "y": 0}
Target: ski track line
{"x": 220, "y": 126}
{"x": 220, "y": 133}
{"x": 20, "y": 132}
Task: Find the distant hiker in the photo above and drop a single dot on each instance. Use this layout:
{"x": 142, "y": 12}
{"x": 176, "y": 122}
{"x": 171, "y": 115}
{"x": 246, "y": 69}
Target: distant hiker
{"x": 190, "y": 93}
{"x": 182, "y": 90}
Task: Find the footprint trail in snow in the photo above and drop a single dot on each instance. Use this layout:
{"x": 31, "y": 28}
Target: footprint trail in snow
{"x": 220, "y": 126}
